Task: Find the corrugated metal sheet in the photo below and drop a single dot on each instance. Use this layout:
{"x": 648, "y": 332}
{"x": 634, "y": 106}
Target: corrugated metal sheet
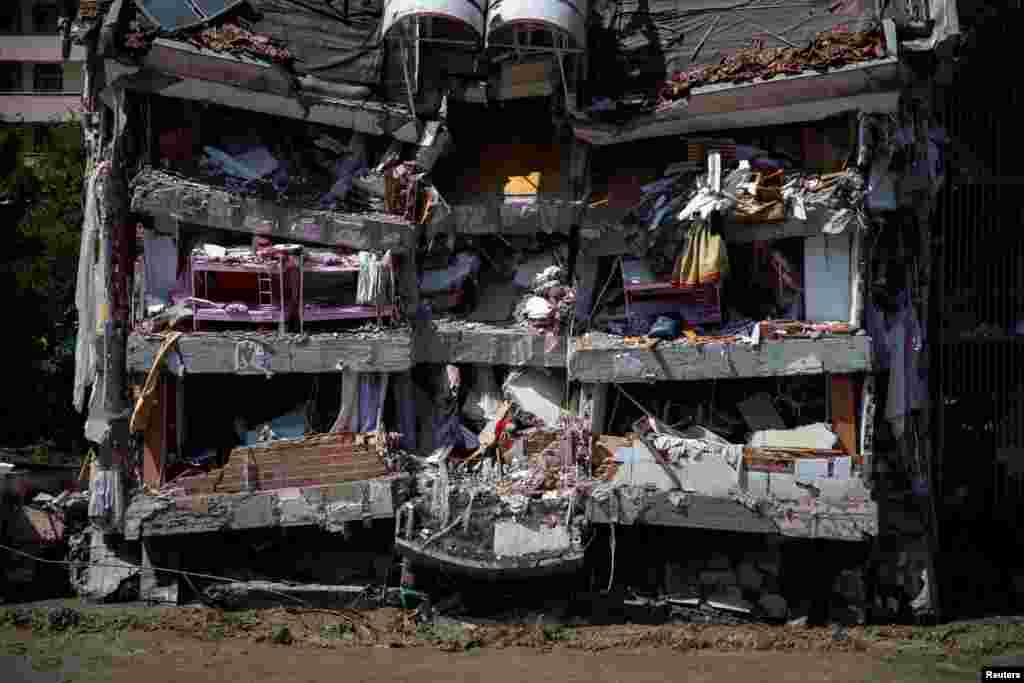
{"x": 324, "y": 43}
{"x": 681, "y": 33}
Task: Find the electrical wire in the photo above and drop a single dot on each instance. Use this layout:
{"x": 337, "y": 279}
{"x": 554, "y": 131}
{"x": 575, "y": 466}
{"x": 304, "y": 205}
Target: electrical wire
{"x": 180, "y": 572}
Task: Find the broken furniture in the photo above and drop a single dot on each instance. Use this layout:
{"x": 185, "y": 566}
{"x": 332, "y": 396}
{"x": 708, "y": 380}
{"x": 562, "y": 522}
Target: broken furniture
{"x": 250, "y": 278}
{"x": 649, "y": 295}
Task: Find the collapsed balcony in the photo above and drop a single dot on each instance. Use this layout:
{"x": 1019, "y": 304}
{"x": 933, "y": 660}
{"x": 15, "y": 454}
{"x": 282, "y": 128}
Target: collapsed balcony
{"x": 324, "y": 481}
{"x": 748, "y": 256}
{"x": 297, "y": 181}
{"x": 510, "y": 512}
{"x": 491, "y": 301}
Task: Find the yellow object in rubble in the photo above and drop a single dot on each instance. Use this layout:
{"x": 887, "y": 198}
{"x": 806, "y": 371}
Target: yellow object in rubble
{"x": 705, "y": 260}
{"x": 529, "y": 184}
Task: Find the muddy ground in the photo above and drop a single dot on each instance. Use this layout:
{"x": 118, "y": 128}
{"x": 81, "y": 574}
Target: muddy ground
{"x": 172, "y": 644}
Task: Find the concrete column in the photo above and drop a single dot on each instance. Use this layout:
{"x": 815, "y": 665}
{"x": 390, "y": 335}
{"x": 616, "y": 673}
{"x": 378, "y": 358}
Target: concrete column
{"x": 594, "y": 404}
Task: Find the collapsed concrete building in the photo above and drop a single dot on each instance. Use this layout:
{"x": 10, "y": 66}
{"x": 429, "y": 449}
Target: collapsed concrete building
{"x": 510, "y": 291}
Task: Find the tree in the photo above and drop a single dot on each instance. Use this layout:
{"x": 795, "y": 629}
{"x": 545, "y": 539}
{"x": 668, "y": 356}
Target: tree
{"x": 41, "y": 197}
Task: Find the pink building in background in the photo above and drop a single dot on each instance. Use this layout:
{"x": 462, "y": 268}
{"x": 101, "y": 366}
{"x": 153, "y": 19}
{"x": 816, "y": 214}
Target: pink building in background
{"x": 37, "y": 85}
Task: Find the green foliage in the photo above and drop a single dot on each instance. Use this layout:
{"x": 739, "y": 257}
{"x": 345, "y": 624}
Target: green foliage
{"x": 339, "y": 631}
{"x": 41, "y": 186}
{"x": 215, "y": 632}
{"x": 448, "y": 637}
{"x": 281, "y": 634}
{"x": 556, "y": 633}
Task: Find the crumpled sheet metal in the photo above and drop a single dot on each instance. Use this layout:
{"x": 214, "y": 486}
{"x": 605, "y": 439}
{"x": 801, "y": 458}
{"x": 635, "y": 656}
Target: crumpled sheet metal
{"x": 829, "y": 49}
{"x": 235, "y": 38}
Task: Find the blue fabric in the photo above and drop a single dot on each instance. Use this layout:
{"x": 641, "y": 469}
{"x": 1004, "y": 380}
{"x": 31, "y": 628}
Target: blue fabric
{"x": 664, "y": 328}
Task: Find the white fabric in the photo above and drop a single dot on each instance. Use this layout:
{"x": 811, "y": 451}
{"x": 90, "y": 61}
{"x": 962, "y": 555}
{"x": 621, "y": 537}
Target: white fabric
{"x": 85, "y": 294}
{"x": 372, "y": 286}
{"x": 537, "y": 308}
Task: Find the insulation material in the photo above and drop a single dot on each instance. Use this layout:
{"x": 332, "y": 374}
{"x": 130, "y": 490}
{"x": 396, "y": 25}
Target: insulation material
{"x": 538, "y": 393}
{"x": 817, "y": 436}
{"x": 827, "y": 277}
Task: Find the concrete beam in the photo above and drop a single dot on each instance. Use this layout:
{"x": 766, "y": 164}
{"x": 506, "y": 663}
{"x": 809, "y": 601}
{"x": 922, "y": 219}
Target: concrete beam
{"x": 700, "y": 512}
{"x": 494, "y": 569}
{"x": 163, "y": 194}
{"x": 216, "y": 352}
{"x": 598, "y": 357}
{"x": 811, "y": 96}
{"x": 785, "y": 518}
{"x": 603, "y": 233}
{"x": 486, "y": 216}
{"x": 177, "y": 79}
{"x": 449, "y": 341}
{"x": 327, "y": 507}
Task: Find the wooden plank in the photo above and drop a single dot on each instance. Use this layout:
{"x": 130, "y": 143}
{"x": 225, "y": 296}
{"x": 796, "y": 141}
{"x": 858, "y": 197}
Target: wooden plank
{"x": 843, "y": 392}
{"x": 604, "y": 358}
{"x": 153, "y": 440}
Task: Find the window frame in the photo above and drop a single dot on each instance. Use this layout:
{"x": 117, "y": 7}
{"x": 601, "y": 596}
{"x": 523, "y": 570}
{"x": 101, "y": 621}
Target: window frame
{"x": 17, "y": 81}
{"x": 47, "y": 5}
{"x": 36, "y": 77}
{"x": 16, "y": 24}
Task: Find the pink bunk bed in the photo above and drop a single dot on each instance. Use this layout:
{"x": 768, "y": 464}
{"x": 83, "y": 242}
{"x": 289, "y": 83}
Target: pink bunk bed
{"x": 328, "y": 263}
{"x": 268, "y": 305}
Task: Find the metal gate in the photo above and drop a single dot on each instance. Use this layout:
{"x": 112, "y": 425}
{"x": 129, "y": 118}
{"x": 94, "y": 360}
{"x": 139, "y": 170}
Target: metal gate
{"x": 977, "y": 323}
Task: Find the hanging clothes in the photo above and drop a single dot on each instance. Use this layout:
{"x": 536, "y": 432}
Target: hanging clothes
{"x": 373, "y": 286}
{"x": 348, "y": 413}
{"x": 704, "y": 261}
{"x": 908, "y": 388}
{"x": 106, "y": 498}
{"x": 86, "y": 291}
{"x": 405, "y": 404}
{"x": 373, "y": 389}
